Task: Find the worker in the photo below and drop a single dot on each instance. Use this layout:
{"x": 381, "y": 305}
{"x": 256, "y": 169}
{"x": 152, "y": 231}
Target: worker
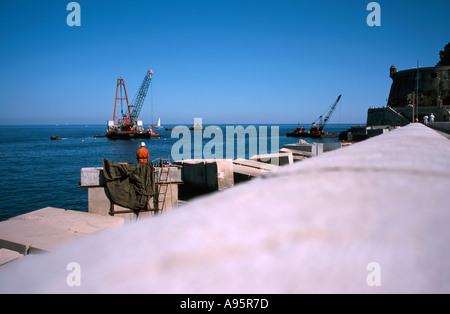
{"x": 431, "y": 119}
{"x": 142, "y": 154}
{"x": 425, "y": 120}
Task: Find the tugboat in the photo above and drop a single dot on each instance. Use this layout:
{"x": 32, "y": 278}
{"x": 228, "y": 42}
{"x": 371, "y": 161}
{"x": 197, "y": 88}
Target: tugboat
{"x": 152, "y": 132}
{"x": 128, "y": 127}
{"x": 53, "y": 137}
{"x": 316, "y": 131}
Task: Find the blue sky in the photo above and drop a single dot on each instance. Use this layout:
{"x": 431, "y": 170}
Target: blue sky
{"x": 226, "y": 61}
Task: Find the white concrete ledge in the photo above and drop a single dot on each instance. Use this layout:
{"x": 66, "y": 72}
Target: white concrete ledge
{"x": 93, "y": 176}
{"x": 311, "y": 227}
{"x": 7, "y": 256}
{"x": 46, "y": 228}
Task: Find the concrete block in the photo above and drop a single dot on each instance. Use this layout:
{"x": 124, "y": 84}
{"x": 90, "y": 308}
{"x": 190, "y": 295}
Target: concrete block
{"x": 202, "y": 176}
{"x": 310, "y": 147}
{"x": 19, "y": 247}
{"x": 99, "y": 199}
{"x": 245, "y": 170}
{"x": 278, "y": 159}
{"x": 329, "y": 146}
{"x": 77, "y": 221}
{"x": 100, "y": 204}
{"x": 248, "y": 171}
{"x": 45, "y": 228}
{"x": 168, "y": 174}
{"x": 33, "y": 237}
{"x": 92, "y": 177}
{"x": 267, "y": 167}
{"x": 315, "y": 148}
{"x": 224, "y": 173}
{"x": 296, "y": 154}
{"x": 127, "y": 217}
{"x": 7, "y": 256}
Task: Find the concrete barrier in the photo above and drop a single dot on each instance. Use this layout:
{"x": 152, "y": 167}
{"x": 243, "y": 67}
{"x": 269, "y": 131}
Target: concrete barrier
{"x": 203, "y": 176}
{"x": 99, "y": 200}
{"x": 442, "y": 126}
{"x": 370, "y": 218}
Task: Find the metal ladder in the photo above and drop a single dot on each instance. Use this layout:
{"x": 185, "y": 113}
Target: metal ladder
{"x": 163, "y": 183}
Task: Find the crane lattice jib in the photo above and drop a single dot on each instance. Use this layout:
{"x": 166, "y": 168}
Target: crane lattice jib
{"x": 330, "y": 112}
{"x": 138, "y": 100}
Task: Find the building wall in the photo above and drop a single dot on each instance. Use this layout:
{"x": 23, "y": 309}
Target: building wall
{"x": 432, "y": 81}
{"x": 385, "y": 116}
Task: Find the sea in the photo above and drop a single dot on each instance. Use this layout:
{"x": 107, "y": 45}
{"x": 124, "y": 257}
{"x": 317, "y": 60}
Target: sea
{"x": 38, "y": 172}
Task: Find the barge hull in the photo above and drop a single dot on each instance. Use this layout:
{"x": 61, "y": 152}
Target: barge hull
{"x": 308, "y": 134}
{"x": 127, "y": 135}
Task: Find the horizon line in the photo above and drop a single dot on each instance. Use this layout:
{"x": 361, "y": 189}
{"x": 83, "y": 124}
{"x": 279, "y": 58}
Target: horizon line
{"x": 205, "y": 124}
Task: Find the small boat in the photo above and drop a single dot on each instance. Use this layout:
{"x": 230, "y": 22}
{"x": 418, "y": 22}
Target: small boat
{"x": 152, "y": 132}
{"x": 193, "y": 128}
{"x": 197, "y": 126}
{"x": 55, "y": 137}
{"x": 158, "y": 126}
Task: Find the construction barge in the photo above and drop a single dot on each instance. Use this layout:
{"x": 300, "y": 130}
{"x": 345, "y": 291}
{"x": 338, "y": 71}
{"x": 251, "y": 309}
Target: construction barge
{"x": 128, "y": 126}
{"x": 313, "y": 133}
{"x": 128, "y": 135}
{"x": 137, "y": 131}
{"x": 316, "y": 131}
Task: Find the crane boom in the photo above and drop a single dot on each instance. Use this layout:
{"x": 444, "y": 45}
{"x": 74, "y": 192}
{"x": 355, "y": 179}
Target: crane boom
{"x": 138, "y": 100}
{"x": 330, "y": 112}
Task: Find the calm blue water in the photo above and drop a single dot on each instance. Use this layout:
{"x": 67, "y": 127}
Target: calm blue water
{"x": 37, "y": 172}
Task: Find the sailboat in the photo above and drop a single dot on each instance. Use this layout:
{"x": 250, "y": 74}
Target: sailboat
{"x": 159, "y": 124}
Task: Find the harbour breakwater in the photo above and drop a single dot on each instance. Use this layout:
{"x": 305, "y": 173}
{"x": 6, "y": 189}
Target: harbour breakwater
{"x": 375, "y": 225}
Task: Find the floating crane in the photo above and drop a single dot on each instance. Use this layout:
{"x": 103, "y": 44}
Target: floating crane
{"x": 316, "y": 131}
{"x": 128, "y": 126}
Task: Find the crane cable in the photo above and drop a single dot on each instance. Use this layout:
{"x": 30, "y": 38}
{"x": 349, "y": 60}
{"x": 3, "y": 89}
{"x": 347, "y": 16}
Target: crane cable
{"x": 121, "y": 100}
{"x": 151, "y": 97}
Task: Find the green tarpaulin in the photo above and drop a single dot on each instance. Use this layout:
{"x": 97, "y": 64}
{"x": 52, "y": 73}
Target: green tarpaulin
{"x": 129, "y": 185}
